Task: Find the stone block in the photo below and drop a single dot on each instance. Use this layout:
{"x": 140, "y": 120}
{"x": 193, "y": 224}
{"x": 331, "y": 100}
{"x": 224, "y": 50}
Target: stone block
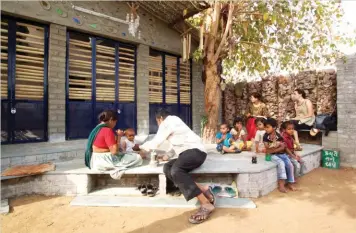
{"x": 31, "y": 159}
{"x": 17, "y": 160}
{"x": 162, "y": 185}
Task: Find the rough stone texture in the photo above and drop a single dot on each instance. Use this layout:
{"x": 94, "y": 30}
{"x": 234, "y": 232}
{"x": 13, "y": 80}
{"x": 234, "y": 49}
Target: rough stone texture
{"x": 56, "y": 83}
{"x": 142, "y": 90}
{"x": 346, "y": 108}
{"x": 256, "y": 184}
{"x": 64, "y": 184}
{"x": 198, "y": 108}
{"x": 276, "y": 91}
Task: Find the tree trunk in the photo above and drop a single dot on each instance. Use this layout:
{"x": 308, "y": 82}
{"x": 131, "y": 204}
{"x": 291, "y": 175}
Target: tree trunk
{"x": 212, "y": 102}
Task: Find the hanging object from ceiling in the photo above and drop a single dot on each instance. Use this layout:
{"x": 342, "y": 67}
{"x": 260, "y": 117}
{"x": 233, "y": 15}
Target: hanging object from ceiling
{"x": 132, "y": 21}
{"x": 187, "y": 40}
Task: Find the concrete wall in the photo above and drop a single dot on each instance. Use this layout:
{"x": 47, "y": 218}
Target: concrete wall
{"x": 154, "y": 32}
{"x": 344, "y": 139}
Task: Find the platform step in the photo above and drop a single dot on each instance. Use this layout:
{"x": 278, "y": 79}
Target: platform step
{"x": 162, "y": 202}
{"x": 115, "y": 191}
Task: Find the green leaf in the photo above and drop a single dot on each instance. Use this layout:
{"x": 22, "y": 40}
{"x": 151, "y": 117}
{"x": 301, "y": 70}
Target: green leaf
{"x": 265, "y": 16}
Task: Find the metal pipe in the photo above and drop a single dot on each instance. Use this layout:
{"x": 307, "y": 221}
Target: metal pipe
{"x": 99, "y": 14}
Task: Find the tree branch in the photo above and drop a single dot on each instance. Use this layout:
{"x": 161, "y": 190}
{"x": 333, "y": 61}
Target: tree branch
{"x": 266, "y": 46}
{"x": 227, "y": 28}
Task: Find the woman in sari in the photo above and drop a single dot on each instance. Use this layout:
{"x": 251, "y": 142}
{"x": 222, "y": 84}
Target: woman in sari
{"x": 103, "y": 147}
{"x": 255, "y": 109}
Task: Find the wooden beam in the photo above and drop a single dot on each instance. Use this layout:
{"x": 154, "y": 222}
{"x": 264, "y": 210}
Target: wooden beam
{"x": 188, "y": 15}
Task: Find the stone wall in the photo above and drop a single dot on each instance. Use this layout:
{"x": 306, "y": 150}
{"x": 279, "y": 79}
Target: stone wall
{"x": 142, "y": 90}
{"x": 345, "y": 137}
{"x": 276, "y": 91}
{"x": 56, "y": 83}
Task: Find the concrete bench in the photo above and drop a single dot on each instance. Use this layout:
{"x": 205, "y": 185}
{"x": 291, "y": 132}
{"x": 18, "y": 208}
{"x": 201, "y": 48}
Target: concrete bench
{"x": 73, "y": 178}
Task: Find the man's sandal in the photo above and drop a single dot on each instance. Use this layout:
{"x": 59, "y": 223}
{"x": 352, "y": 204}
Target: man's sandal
{"x": 202, "y": 213}
{"x": 209, "y": 194}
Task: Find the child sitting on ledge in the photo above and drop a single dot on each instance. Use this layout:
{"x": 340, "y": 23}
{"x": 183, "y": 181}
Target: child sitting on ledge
{"x": 239, "y": 136}
{"x": 223, "y": 141}
{"x": 287, "y": 130}
{"x": 275, "y": 146}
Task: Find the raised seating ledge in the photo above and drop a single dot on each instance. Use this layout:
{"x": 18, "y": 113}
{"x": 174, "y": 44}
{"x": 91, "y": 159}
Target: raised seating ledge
{"x": 215, "y": 164}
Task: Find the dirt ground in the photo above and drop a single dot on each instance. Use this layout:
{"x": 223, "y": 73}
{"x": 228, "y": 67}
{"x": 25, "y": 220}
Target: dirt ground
{"x": 326, "y": 203}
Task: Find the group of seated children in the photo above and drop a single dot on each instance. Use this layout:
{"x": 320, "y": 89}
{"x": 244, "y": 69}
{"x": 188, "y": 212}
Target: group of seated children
{"x": 234, "y": 140}
{"x": 267, "y": 140}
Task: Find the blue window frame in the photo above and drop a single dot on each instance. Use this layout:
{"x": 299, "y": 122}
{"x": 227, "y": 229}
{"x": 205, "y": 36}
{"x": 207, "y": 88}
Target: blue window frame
{"x": 24, "y": 68}
{"x": 101, "y": 74}
{"x": 170, "y": 81}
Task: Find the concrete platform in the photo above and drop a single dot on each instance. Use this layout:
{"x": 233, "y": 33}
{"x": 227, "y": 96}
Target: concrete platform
{"x": 73, "y": 178}
{"x": 160, "y": 202}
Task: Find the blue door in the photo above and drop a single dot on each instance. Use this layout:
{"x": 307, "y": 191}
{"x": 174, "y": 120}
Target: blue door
{"x": 24, "y": 56}
{"x": 101, "y": 75}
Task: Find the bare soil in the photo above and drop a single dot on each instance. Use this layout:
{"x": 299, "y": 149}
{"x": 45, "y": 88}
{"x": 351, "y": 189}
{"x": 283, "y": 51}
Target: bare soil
{"x": 326, "y": 203}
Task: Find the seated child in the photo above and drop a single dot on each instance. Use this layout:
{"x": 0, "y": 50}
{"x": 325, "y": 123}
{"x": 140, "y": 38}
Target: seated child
{"x": 260, "y": 148}
{"x": 239, "y": 136}
{"x": 223, "y": 140}
{"x": 128, "y": 143}
{"x": 287, "y": 129}
{"x": 275, "y": 146}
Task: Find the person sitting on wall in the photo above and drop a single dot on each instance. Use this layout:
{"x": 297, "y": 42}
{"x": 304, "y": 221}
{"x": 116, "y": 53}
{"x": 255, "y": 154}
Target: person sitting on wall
{"x": 255, "y": 109}
{"x": 102, "y": 152}
{"x": 191, "y": 155}
{"x": 305, "y": 117}
{"x": 239, "y": 136}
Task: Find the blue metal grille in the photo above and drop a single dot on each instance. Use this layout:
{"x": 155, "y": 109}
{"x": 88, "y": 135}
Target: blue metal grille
{"x": 25, "y": 110}
{"x": 184, "y": 111}
{"x": 110, "y": 62}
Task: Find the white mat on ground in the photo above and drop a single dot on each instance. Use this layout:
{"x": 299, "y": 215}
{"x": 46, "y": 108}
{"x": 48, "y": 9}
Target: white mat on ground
{"x": 165, "y": 202}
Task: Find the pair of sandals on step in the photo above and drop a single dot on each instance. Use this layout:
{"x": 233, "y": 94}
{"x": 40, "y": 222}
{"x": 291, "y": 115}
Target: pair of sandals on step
{"x": 148, "y": 189}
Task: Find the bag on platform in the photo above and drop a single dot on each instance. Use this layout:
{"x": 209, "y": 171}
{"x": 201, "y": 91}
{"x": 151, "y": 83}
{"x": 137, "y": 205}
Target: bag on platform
{"x": 327, "y": 122}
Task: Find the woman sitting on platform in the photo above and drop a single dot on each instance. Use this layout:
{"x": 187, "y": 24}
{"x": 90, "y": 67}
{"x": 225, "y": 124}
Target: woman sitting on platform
{"x": 305, "y": 116}
{"x": 255, "y": 109}
{"x": 103, "y": 146}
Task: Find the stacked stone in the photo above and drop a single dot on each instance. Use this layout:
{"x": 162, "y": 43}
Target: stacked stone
{"x": 285, "y": 103}
{"x": 254, "y": 87}
{"x": 270, "y": 94}
{"x": 326, "y": 82}
{"x": 307, "y": 81}
{"x": 229, "y": 111}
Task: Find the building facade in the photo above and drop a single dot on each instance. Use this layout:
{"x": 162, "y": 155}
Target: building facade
{"x": 62, "y": 67}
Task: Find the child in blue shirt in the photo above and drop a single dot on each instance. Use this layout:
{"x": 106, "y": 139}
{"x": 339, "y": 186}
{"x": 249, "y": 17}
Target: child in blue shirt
{"x": 223, "y": 139}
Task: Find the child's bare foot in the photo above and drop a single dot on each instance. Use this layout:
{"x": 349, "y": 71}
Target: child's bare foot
{"x": 292, "y": 187}
{"x": 281, "y": 188}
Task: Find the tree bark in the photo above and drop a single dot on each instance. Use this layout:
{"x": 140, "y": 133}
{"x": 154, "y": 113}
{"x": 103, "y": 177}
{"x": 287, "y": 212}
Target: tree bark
{"x": 212, "y": 102}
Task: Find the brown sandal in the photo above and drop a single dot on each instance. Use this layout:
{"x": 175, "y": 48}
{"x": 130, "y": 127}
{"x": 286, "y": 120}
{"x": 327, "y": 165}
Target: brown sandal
{"x": 210, "y": 196}
{"x": 203, "y": 213}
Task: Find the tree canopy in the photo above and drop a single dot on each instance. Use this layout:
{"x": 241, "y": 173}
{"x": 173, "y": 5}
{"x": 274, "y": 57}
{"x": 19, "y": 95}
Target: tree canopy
{"x": 255, "y": 38}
